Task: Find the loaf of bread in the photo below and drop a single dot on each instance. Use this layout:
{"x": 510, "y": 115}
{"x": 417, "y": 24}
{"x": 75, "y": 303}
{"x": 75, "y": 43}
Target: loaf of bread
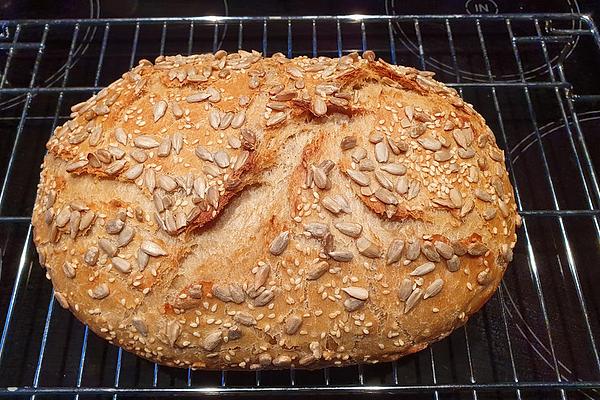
{"x": 229, "y": 211}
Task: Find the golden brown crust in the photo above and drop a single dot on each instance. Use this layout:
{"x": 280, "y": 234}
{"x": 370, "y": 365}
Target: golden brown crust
{"x": 230, "y": 211}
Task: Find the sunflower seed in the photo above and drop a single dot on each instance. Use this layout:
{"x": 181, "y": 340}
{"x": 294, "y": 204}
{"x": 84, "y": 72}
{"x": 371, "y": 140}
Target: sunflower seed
{"x": 261, "y": 276}
{"x": 244, "y": 319}
{"x": 382, "y": 152}
{"x": 306, "y": 360}
{"x": 69, "y": 270}
{"x": 200, "y": 187}
{"x": 276, "y": 118}
{"x": 63, "y": 217}
{"x": 375, "y": 137}
{"x": 95, "y": 136}
{"x": 320, "y": 178}
{"x": 316, "y": 229}
{"x": 456, "y": 198}
{"x": 121, "y": 264}
{"x": 434, "y": 288}
{"x": 170, "y": 224}
{"x": 348, "y": 142}
{"x": 280, "y": 243}
{"x": 140, "y": 326}
{"x": 417, "y": 131}
{"x": 413, "y": 249}
{"x": 285, "y": 95}
{"x": 197, "y": 97}
{"x": 430, "y": 252}
{"x": 277, "y": 105}
{"x": 351, "y": 304}
{"x": 384, "y": 180}
{"x": 134, "y": 172}
{"x": 343, "y": 202}
{"x": 326, "y": 166}
{"x": 444, "y": 249}
{"x": 214, "y": 118}
{"x": 74, "y": 166}
{"x": 159, "y": 110}
{"x": 104, "y": 156}
{"x": 366, "y": 165}
{"x": 357, "y": 292}
{"x": 319, "y": 107}
{"x": 142, "y": 259}
{"x": 482, "y": 195}
{"x": 91, "y": 256}
{"x": 86, "y": 220}
{"x": 125, "y": 236}
{"x": 166, "y": 183}
{"x": 108, "y": 247}
{"x": 99, "y": 292}
{"x": 358, "y": 177}
{"x": 385, "y": 196}
{"x": 221, "y": 159}
{"x": 150, "y": 179}
{"x": 176, "y": 109}
{"x": 173, "y": 330}
{"x": 467, "y": 207}
{"x": 394, "y": 252}
{"x": 507, "y": 252}
{"x": 503, "y": 207}
{"x": 412, "y": 300}
{"x": 430, "y": 144}
{"x": 484, "y": 277}
{"x": 394, "y": 169}
{"x": 282, "y": 361}
{"x": 114, "y": 226}
{"x": 414, "y": 187}
{"x": 292, "y": 324}
{"x": 226, "y": 120}
{"x": 489, "y": 213}
{"x": 423, "y": 269}
{"x": 331, "y": 205}
{"x": 402, "y": 185}
{"x": 121, "y": 136}
{"x": 145, "y": 142}
{"x": 241, "y": 160}
{"x": 460, "y": 138}
{"x": 212, "y": 196}
{"x": 295, "y": 72}
{"x": 264, "y": 298}
{"x": 453, "y": 264}
{"x": 341, "y": 255}
{"x": 317, "y": 271}
{"x": 359, "y": 154}
{"x": 368, "y": 248}
{"x": 164, "y": 149}
{"x": 466, "y": 153}
{"x": 496, "y": 155}
{"x": 405, "y": 290}
{"x": 152, "y": 249}
{"x": 477, "y": 249}
{"x": 212, "y": 340}
{"x": 116, "y": 152}
{"x": 442, "y": 155}
{"x": 349, "y": 228}
{"x": 139, "y": 155}
{"x": 221, "y": 292}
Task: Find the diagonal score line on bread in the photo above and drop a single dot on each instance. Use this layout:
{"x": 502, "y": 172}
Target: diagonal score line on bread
{"x": 229, "y": 211}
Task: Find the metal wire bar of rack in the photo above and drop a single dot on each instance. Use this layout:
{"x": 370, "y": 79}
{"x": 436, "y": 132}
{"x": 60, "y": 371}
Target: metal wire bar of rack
{"x": 536, "y": 338}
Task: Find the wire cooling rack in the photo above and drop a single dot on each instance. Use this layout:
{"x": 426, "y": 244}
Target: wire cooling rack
{"x": 536, "y": 338}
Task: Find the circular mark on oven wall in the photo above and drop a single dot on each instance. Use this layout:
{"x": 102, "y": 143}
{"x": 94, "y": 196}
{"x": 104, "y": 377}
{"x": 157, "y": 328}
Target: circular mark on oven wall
{"x": 481, "y": 7}
{"x": 466, "y": 42}
{"x": 520, "y": 149}
{"x": 85, "y": 37}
